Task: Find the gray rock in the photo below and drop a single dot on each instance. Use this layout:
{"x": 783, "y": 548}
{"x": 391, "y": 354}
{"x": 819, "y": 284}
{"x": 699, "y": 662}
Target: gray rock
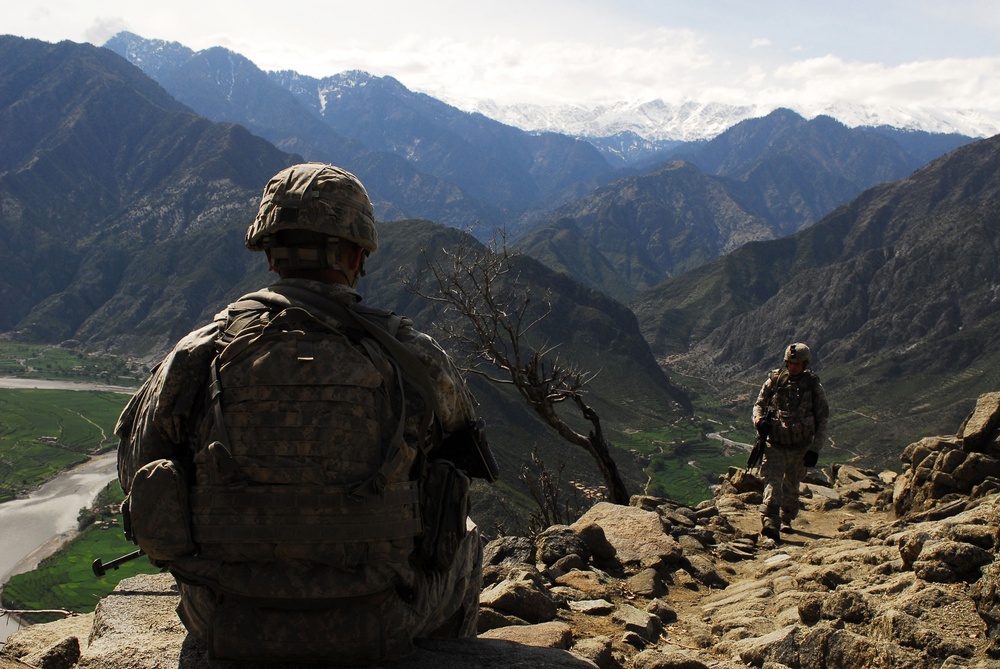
{"x": 636, "y": 535}
{"x": 948, "y": 561}
{"x": 980, "y": 427}
{"x": 521, "y": 596}
{"x": 63, "y": 655}
{"x": 643, "y": 623}
{"x": 647, "y": 583}
{"x": 704, "y": 570}
{"x": 597, "y": 650}
{"x": 542, "y": 635}
{"x": 565, "y": 565}
{"x": 593, "y": 535}
{"x": 588, "y": 582}
{"x": 598, "y": 607}
{"x": 509, "y": 551}
{"x": 848, "y": 605}
{"x": 560, "y": 541}
{"x": 489, "y": 619}
{"x": 662, "y": 610}
{"x": 666, "y": 659}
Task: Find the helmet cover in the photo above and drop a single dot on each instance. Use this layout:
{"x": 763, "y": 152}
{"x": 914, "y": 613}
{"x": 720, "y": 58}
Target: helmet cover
{"x": 317, "y": 197}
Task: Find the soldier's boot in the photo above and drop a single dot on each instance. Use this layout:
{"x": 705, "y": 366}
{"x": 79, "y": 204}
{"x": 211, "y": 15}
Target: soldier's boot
{"x": 786, "y": 521}
{"x": 770, "y": 527}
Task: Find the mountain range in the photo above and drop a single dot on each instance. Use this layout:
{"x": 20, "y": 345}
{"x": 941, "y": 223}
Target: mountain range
{"x": 127, "y": 181}
{"x": 776, "y": 174}
{"x": 659, "y": 121}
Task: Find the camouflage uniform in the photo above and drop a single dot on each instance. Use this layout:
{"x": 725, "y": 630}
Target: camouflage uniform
{"x": 800, "y": 414}
{"x": 162, "y": 421}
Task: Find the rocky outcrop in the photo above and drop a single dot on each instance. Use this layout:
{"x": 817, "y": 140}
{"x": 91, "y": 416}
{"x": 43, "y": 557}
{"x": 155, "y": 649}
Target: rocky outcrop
{"x": 880, "y": 571}
{"x": 942, "y": 472}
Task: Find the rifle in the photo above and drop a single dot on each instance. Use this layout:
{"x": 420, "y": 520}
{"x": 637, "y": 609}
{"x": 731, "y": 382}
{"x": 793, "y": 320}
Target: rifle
{"x": 100, "y": 569}
{"x": 763, "y": 429}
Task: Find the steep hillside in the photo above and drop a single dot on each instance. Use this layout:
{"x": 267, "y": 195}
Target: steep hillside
{"x": 100, "y": 168}
{"x": 800, "y": 170}
{"x": 494, "y": 162}
{"x": 895, "y": 292}
{"x": 646, "y": 228}
{"x": 225, "y": 86}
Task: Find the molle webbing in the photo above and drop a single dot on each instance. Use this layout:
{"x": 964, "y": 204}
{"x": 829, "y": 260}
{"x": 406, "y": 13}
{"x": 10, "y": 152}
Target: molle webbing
{"x": 276, "y": 514}
{"x": 414, "y": 370}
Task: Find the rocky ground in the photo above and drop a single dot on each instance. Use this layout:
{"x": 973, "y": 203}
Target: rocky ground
{"x": 880, "y": 571}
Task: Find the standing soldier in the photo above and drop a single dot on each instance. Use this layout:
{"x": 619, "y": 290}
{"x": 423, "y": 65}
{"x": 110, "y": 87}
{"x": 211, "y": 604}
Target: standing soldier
{"x": 796, "y": 403}
{"x": 301, "y": 464}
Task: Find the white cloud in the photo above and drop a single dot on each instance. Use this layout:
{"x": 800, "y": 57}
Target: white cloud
{"x": 946, "y": 83}
{"x": 586, "y": 51}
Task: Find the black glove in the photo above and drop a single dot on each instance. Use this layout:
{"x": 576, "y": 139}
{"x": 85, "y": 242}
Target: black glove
{"x": 811, "y": 458}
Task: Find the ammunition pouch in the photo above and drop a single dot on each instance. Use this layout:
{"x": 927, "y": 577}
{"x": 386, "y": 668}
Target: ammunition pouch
{"x": 444, "y": 507}
{"x": 158, "y": 511}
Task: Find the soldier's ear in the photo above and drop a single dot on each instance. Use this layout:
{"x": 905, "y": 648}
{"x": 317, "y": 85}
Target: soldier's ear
{"x": 270, "y": 265}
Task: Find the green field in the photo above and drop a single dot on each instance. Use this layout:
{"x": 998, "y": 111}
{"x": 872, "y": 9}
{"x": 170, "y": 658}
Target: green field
{"x": 66, "y": 580}
{"x": 681, "y": 460}
{"x": 44, "y": 432}
{"x": 34, "y": 361}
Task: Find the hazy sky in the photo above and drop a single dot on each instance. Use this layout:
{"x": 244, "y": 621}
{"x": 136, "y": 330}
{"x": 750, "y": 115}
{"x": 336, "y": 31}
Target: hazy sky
{"x": 898, "y": 53}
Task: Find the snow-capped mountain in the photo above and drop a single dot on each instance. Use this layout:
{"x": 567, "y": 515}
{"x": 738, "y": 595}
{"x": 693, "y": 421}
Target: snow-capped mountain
{"x": 655, "y": 120}
{"x": 658, "y": 120}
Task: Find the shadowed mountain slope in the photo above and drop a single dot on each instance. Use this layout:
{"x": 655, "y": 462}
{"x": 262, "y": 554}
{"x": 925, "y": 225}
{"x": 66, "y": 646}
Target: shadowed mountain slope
{"x": 100, "y": 168}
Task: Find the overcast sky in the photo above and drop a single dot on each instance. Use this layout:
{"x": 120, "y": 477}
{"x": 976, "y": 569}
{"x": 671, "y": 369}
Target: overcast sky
{"x": 898, "y": 53}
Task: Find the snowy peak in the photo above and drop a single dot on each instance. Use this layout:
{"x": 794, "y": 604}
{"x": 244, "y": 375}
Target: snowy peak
{"x": 654, "y": 120}
{"x": 657, "y": 120}
{"x": 149, "y": 55}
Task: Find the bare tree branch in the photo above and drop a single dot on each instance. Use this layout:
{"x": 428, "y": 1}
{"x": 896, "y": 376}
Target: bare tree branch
{"x": 483, "y": 287}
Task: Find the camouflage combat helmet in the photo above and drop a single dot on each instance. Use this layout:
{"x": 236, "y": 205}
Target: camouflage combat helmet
{"x": 798, "y": 352}
{"x": 317, "y": 198}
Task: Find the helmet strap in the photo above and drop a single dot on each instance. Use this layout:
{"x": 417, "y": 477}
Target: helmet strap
{"x": 284, "y": 259}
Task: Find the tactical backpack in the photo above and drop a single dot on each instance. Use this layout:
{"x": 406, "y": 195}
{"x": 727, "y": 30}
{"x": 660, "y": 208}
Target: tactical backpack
{"x": 306, "y": 504}
{"x": 794, "y": 423}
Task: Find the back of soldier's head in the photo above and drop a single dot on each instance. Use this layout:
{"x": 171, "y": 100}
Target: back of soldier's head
{"x": 306, "y": 210}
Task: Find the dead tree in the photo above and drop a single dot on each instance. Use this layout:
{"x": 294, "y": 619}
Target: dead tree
{"x": 482, "y": 286}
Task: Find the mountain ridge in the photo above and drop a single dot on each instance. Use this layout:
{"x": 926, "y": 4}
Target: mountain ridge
{"x": 660, "y": 121}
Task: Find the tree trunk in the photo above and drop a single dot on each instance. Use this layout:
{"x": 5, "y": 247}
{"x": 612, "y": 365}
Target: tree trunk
{"x": 601, "y": 450}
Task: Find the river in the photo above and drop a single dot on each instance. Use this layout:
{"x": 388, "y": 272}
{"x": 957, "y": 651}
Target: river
{"x": 33, "y": 528}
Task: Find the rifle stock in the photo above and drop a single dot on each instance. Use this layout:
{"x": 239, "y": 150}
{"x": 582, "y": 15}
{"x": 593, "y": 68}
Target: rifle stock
{"x": 757, "y": 453}
{"x": 100, "y": 568}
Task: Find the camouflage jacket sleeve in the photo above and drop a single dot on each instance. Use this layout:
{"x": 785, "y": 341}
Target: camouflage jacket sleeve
{"x": 456, "y": 407}
{"x": 821, "y": 413}
{"x": 157, "y": 422}
{"x": 763, "y": 399}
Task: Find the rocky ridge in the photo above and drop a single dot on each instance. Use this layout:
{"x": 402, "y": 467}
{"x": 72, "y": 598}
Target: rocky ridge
{"x": 880, "y": 571}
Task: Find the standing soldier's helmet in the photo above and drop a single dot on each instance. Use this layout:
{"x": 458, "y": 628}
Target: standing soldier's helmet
{"x": 798, "y": 352}
{"x": 305, "y": 209}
